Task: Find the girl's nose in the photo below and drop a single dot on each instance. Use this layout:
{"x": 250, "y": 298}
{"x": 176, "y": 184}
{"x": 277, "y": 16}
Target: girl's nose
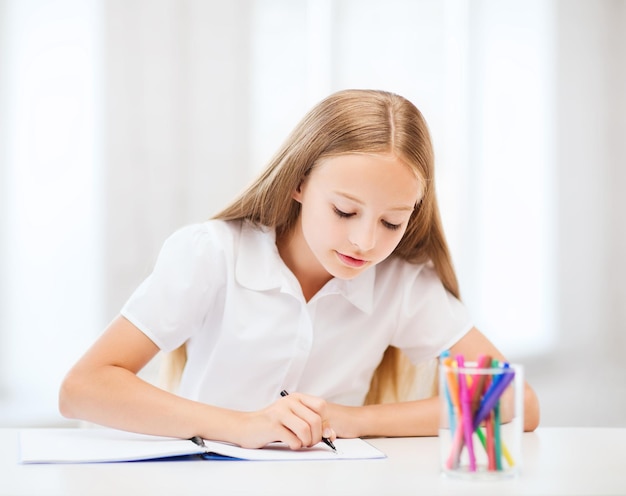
{"x": 363, "y": 235}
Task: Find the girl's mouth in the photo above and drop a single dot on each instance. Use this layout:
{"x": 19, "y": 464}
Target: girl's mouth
{"x": 351, "y": 261}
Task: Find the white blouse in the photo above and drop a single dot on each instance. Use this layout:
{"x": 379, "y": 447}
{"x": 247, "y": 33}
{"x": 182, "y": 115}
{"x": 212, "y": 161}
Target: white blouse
{"x": 223, "y": 288}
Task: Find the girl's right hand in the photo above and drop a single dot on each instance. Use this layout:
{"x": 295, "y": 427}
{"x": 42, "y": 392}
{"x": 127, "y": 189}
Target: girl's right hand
{"x": 297, "y": 420}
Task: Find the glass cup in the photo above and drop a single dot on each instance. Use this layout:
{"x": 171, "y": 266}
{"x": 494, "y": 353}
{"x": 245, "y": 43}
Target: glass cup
{"x": 481, "y": 422}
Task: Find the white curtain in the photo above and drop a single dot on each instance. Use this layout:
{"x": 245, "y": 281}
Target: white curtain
{"x": 123, "y": 120}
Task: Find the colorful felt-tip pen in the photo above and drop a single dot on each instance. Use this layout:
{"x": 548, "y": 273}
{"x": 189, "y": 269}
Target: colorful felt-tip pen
{"x": 466, "y": 412}
{"x": 492, "y": 396}
{"x": 325, "y": 440}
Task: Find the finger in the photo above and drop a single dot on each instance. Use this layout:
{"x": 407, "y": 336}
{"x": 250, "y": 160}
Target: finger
{"x": 320, "y": 407}
{"x": 328, "y": 432}
{"x": 290, "y": 439}
{"x": 298, "y": 428}
{"x": 267, "y": 426}
{"x": 304, "y": 422}
{"x": 311, "y": 409}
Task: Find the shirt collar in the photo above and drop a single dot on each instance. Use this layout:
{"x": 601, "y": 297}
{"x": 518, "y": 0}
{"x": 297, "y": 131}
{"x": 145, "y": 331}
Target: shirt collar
{"x": 358, "y": 291}
{"x": 259, "y": 267}
{"x": 258, "y": 262}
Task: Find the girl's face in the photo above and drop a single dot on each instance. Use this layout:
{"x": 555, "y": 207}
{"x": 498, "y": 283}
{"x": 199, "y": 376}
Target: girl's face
{"x": 354, "y": 211}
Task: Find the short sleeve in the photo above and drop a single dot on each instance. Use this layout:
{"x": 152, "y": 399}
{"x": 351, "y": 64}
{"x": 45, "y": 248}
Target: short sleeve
{"x": 431, "y": 319}
{"x": 170, "y": 305}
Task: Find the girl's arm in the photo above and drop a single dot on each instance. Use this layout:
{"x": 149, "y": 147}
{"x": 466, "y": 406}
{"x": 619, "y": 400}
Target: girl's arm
{"x": 471, "y": 346}
{"x": 421, "y": 417}
{"x": 103, "y": 387}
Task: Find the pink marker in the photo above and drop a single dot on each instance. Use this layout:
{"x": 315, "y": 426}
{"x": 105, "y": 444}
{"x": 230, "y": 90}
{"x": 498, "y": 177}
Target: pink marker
{"x": 466, "y": 410}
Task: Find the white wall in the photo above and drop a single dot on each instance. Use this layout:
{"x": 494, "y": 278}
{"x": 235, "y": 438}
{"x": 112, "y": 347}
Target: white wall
{"x": 3, "y": 193}
{"x": 584, "y": 381}
{"x": 176, "y": 125}
{"x": 50, "y": 286}
{"x": 508, "y": 259}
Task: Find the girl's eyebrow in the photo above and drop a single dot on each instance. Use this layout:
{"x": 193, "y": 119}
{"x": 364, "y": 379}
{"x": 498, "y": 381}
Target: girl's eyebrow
{"x": 408, "y": 208}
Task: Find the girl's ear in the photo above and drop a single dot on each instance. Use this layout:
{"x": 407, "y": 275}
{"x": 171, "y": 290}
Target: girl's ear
{"x": 297, "y": 193}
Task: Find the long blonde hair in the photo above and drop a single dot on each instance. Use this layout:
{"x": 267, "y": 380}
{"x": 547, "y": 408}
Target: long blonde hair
{"x": 353, "y": 121}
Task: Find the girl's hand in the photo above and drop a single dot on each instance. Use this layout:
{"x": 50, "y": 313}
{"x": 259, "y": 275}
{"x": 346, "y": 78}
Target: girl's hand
{"x": 299, "y": 420}
{"x": 346, "y": 420}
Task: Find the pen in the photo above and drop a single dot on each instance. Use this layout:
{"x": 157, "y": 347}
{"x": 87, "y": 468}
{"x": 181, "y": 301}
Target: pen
{"x": 446, "y": 360}
{"x": 496, "y": 430}
{"x": 478, "y": 384}
{"x": 198, "y": 440}
{"x": 466, "y": 411}
{"x": 492, "y": 396}
{"x": 326, "y": 441}
{"x": 456, "y": 421}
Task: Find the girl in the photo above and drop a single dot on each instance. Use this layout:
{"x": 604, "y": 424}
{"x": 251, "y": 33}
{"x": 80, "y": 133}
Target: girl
{"x": 320, "y": 279}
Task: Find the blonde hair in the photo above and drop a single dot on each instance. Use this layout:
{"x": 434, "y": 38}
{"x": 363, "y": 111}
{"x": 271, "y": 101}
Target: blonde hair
{"x": 354, "y": 121}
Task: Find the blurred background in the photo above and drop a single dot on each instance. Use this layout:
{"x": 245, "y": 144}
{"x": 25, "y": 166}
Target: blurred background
{"x": 122, "y": 120}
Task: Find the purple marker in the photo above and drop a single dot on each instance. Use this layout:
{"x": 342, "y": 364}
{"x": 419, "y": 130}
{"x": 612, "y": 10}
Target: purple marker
{"x": 492, "y": 396}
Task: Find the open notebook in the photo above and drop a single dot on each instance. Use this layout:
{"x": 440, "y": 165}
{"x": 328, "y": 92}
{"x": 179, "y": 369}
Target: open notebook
{"x": 108, "y": 445}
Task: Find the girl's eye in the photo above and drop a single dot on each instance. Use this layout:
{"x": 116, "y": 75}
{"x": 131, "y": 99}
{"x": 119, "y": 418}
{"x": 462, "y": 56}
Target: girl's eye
{"x": 345, "y": 215}
{"x": 341, "y": 213}
{"x": 393, "y": 227}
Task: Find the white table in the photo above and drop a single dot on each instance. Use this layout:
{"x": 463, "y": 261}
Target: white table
{"x": 557, "y": 461}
